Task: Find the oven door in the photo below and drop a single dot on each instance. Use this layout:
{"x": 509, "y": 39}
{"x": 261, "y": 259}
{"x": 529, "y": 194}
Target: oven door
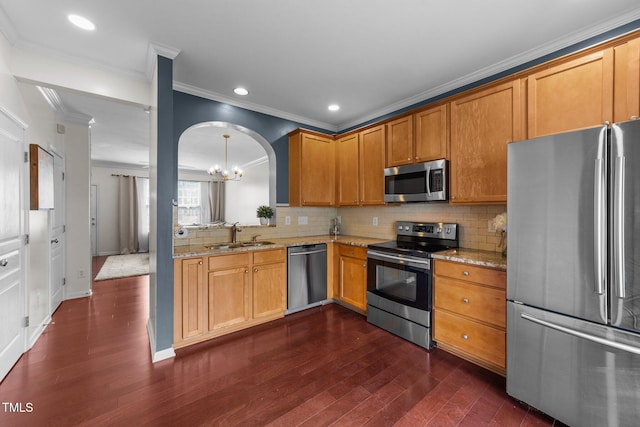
{"x": 401, "y": 279}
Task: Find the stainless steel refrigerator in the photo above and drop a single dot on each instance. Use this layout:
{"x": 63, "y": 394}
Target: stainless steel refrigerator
{"x": 573, "y": 275}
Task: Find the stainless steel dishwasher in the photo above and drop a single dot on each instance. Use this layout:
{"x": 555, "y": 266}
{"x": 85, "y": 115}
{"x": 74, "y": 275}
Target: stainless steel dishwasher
{"x": 306, "y": 276}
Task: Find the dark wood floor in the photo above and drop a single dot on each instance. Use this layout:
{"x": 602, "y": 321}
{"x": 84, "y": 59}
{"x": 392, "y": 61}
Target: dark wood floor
{"x": 323, "y": 366}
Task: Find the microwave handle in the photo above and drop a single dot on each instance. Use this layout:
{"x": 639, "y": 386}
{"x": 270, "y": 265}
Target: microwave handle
{"x": 429, "y": 180}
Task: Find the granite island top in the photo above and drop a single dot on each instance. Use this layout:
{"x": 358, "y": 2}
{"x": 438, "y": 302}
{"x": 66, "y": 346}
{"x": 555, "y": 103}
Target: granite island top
{"x": 474, "y": 257}
{"x": 202, "y": 250}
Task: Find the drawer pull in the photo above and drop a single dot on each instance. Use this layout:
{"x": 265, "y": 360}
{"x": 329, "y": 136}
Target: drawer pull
{"x": 465, "y": 300}
{"x": 466, "y": 273}
{"x": 466, "y": 337}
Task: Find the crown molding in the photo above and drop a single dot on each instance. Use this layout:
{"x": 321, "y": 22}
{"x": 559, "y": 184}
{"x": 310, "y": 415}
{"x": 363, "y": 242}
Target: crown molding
{"x": 67, "y": 115}
{"x": 515, "y": 61}
{"x": 214, "y": 96}
{"x": 118, "y": 165}
{"x": 155, "y": 50}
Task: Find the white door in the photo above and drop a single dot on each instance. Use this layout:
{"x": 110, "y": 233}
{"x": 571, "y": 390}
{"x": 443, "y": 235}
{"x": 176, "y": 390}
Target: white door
{"x": 57, "y": 234}
{"x": 12, "y": 242}
{"x": 94, "y": 220}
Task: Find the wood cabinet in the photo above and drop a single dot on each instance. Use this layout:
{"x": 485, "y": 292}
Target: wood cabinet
{"x": 431, "y": 134}
{"x": 219, "y": 294}
{"x": 470, "y": 313}
{"x": 361, "y": 162}
{"x": 353, "y": 276}
{"x": 400, "y": 141}
{"x": 482, "y": 124}
{"x": 626, "y": 96}
{"x": 419, "y": 137}
{"x": 311, "y": 169}
{"x": 571, "y": 95}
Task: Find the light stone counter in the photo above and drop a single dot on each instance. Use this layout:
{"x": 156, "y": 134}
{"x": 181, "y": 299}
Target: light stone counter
{"x": 474, "y": 257}
{"x": 201, "y": 250}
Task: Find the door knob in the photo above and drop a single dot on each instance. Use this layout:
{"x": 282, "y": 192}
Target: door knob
{"x": 4, "y": 262}
{"x": 54, "y": 241}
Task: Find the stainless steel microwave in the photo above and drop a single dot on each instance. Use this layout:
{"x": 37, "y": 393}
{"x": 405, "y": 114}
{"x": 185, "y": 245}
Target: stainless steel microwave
{"x": 420, "y": 182}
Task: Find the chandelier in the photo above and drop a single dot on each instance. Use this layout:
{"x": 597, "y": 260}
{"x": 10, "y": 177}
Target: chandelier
{"x": 222, "y": 174}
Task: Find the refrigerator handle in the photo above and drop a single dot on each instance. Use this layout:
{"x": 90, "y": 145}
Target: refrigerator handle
{"x": 583, "y": 335}
{"x": 598, "y": 225}
{"x": 618, "y": 227}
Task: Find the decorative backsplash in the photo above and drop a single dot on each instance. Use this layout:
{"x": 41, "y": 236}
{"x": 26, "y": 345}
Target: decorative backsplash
{"x": 358, "y": 221}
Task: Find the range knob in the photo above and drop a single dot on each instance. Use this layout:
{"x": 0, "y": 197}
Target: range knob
{"x": 407, "y": 228}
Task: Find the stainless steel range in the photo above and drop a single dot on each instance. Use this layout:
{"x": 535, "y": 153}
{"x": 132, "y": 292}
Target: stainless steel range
{"x": 399, "y": 278}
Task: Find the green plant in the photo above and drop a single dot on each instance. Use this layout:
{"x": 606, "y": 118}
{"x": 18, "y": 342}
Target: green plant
{"x": 264, "y": 212}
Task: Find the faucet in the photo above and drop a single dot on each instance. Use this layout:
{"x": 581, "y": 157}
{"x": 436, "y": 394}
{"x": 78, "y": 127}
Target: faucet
{"x": 254, "y": 238}
{"x": 234, "y": 231}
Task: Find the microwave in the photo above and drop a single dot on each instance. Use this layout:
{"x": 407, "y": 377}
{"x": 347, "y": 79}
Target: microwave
{"x": 420, "y": 182}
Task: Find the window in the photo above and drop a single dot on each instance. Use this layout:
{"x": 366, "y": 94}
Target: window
{"x": 193, "y": 206}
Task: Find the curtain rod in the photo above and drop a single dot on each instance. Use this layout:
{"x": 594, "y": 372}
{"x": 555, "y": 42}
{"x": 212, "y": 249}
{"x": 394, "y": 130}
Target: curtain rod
{"x": 135, "y": 176}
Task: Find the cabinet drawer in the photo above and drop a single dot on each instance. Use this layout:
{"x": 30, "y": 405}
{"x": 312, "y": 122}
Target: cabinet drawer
{"x": 225, "y": 261}
{"x": 353, "y": 251}
{"x": 471, "y": 273}
{"x": 478, "y": 302}
{"x": 484, "y": 342}
{"x": 266, "y": 256}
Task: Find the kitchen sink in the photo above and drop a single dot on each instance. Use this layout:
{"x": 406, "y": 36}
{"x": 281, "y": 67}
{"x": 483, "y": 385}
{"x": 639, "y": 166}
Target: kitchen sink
{"x": 238, "y": 245}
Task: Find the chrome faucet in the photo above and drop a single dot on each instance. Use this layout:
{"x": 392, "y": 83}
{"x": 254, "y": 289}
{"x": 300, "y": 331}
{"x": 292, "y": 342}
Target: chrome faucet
{"x": 254, "y": 238}
{"x": 234, "y": 231}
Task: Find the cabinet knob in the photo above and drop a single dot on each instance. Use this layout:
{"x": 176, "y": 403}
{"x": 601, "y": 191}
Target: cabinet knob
{"x": 417, "y": 158}
{"x": 409, "y": 158}
{"x": 199, "y": 262}
{"x": 466, "y": 337}
{"x": 466, "y": 273}
{"x": 255, "y": 270}
{"x": 246, "y": 271}
{"x": 465, "y": 300}
{"x": 364, "y": 265}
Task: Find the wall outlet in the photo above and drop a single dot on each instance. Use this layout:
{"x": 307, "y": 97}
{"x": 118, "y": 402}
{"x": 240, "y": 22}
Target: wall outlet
{"x": 287, "y": 220}
{"x": 491, "y": 226}
{"x": 303, "y": 220}
{"x": 375, "y": 220}
{"x": 339, "y": 219}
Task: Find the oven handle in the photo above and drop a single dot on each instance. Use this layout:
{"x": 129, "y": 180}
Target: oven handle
{"x": 419, "y": 263}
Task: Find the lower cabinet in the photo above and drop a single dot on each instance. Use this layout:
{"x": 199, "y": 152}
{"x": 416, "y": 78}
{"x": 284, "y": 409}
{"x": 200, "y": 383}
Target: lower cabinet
{"x": 353, "y": 276}
{"x": 470, "y": 313}
{"x": 219, "y": 294}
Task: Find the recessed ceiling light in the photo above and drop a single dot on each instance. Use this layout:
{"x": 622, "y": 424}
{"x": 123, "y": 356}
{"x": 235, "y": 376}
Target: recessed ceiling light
{"x": 241, "y": 91}
{"x": 334, "y": 107}
{"x": 81, "y": 22}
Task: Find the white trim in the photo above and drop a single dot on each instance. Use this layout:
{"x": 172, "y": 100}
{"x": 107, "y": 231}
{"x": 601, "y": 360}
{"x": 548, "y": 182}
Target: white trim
{"x": 155, "y": 50}
{"x": 77, "y": 295}
{"x": 157, "y": 356}
{"x": 7, "y": 28}
{"x": 21, "y": 123}
{"x": 54, "y": 100}
{"x": 38, "y": 332}
{"x": 214, "y": 96}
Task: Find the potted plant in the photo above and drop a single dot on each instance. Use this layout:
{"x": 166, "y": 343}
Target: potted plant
{"x": 264, "y": 213}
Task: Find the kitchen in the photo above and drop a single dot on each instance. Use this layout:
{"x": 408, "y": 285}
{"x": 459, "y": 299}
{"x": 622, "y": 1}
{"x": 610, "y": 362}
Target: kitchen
{"x": 494, "y": 191}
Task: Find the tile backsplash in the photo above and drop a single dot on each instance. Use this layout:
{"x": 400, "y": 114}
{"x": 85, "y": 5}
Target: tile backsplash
{"x": 359, "y": 221}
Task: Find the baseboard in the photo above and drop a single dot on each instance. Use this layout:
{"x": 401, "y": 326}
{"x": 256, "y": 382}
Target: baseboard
{"x": 38, "y": 332}
{"x": 77, "y": 295}
{"x": 107, "y": 253}
{"x": 157, "y": 356}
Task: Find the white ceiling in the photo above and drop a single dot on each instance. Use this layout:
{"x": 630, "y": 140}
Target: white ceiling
{"x": 296, "y": 57}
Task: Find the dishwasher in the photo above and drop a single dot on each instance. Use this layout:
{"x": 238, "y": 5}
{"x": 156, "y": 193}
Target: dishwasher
{"x": 306, "y": 276}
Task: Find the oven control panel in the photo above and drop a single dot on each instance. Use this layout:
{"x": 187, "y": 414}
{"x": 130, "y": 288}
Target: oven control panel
{"x": 436, "y": 230}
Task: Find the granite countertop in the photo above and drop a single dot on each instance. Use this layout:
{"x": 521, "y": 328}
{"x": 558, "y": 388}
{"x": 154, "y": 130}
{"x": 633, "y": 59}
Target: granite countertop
{"x": 201, "y": 250}
{"x": 474, "y": 257}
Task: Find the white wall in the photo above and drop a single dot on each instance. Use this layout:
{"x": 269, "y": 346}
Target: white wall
{"x": 243, "y": 198}
{"x": 107, "y": 213}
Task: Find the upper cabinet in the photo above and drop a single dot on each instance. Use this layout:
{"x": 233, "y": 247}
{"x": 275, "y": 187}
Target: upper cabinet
{"x": 418, "y": 138}
{"x": 311, "y": 169}
{"x": 626, "y": 96}
{"x": 400, "y": 141}
{"x": 572, "y": 95}
{"x": 431, "y": 135}
{"x": 361, "y": 161}
{"x": 482, "y": 124}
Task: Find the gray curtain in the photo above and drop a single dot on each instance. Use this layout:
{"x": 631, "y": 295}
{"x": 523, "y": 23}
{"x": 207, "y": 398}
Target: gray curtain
{"x": 128, "y": 214}
{"x": 216, "y": 201}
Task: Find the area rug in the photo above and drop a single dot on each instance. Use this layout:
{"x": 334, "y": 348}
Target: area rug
{"x": 117, "y": 266}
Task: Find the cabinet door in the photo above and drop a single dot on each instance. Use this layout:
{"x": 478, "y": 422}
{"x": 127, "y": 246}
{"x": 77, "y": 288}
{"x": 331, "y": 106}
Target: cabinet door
{"x": 348, "y": 172}
{"x": 192, "y": 296}
{"x": 269, "y": 294}
{"x": 229, "y": 297}
{"x": 431, "y": 134}
{"x": 481, "y": 126}
{"x": 400, "y": 141}
{"x": 317, "y": 171}
{"x": 626, "y": 97}
{"x": 570, "y": 96}
{"x": 372, "y": 161}
{"x": 353, "y": 281}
